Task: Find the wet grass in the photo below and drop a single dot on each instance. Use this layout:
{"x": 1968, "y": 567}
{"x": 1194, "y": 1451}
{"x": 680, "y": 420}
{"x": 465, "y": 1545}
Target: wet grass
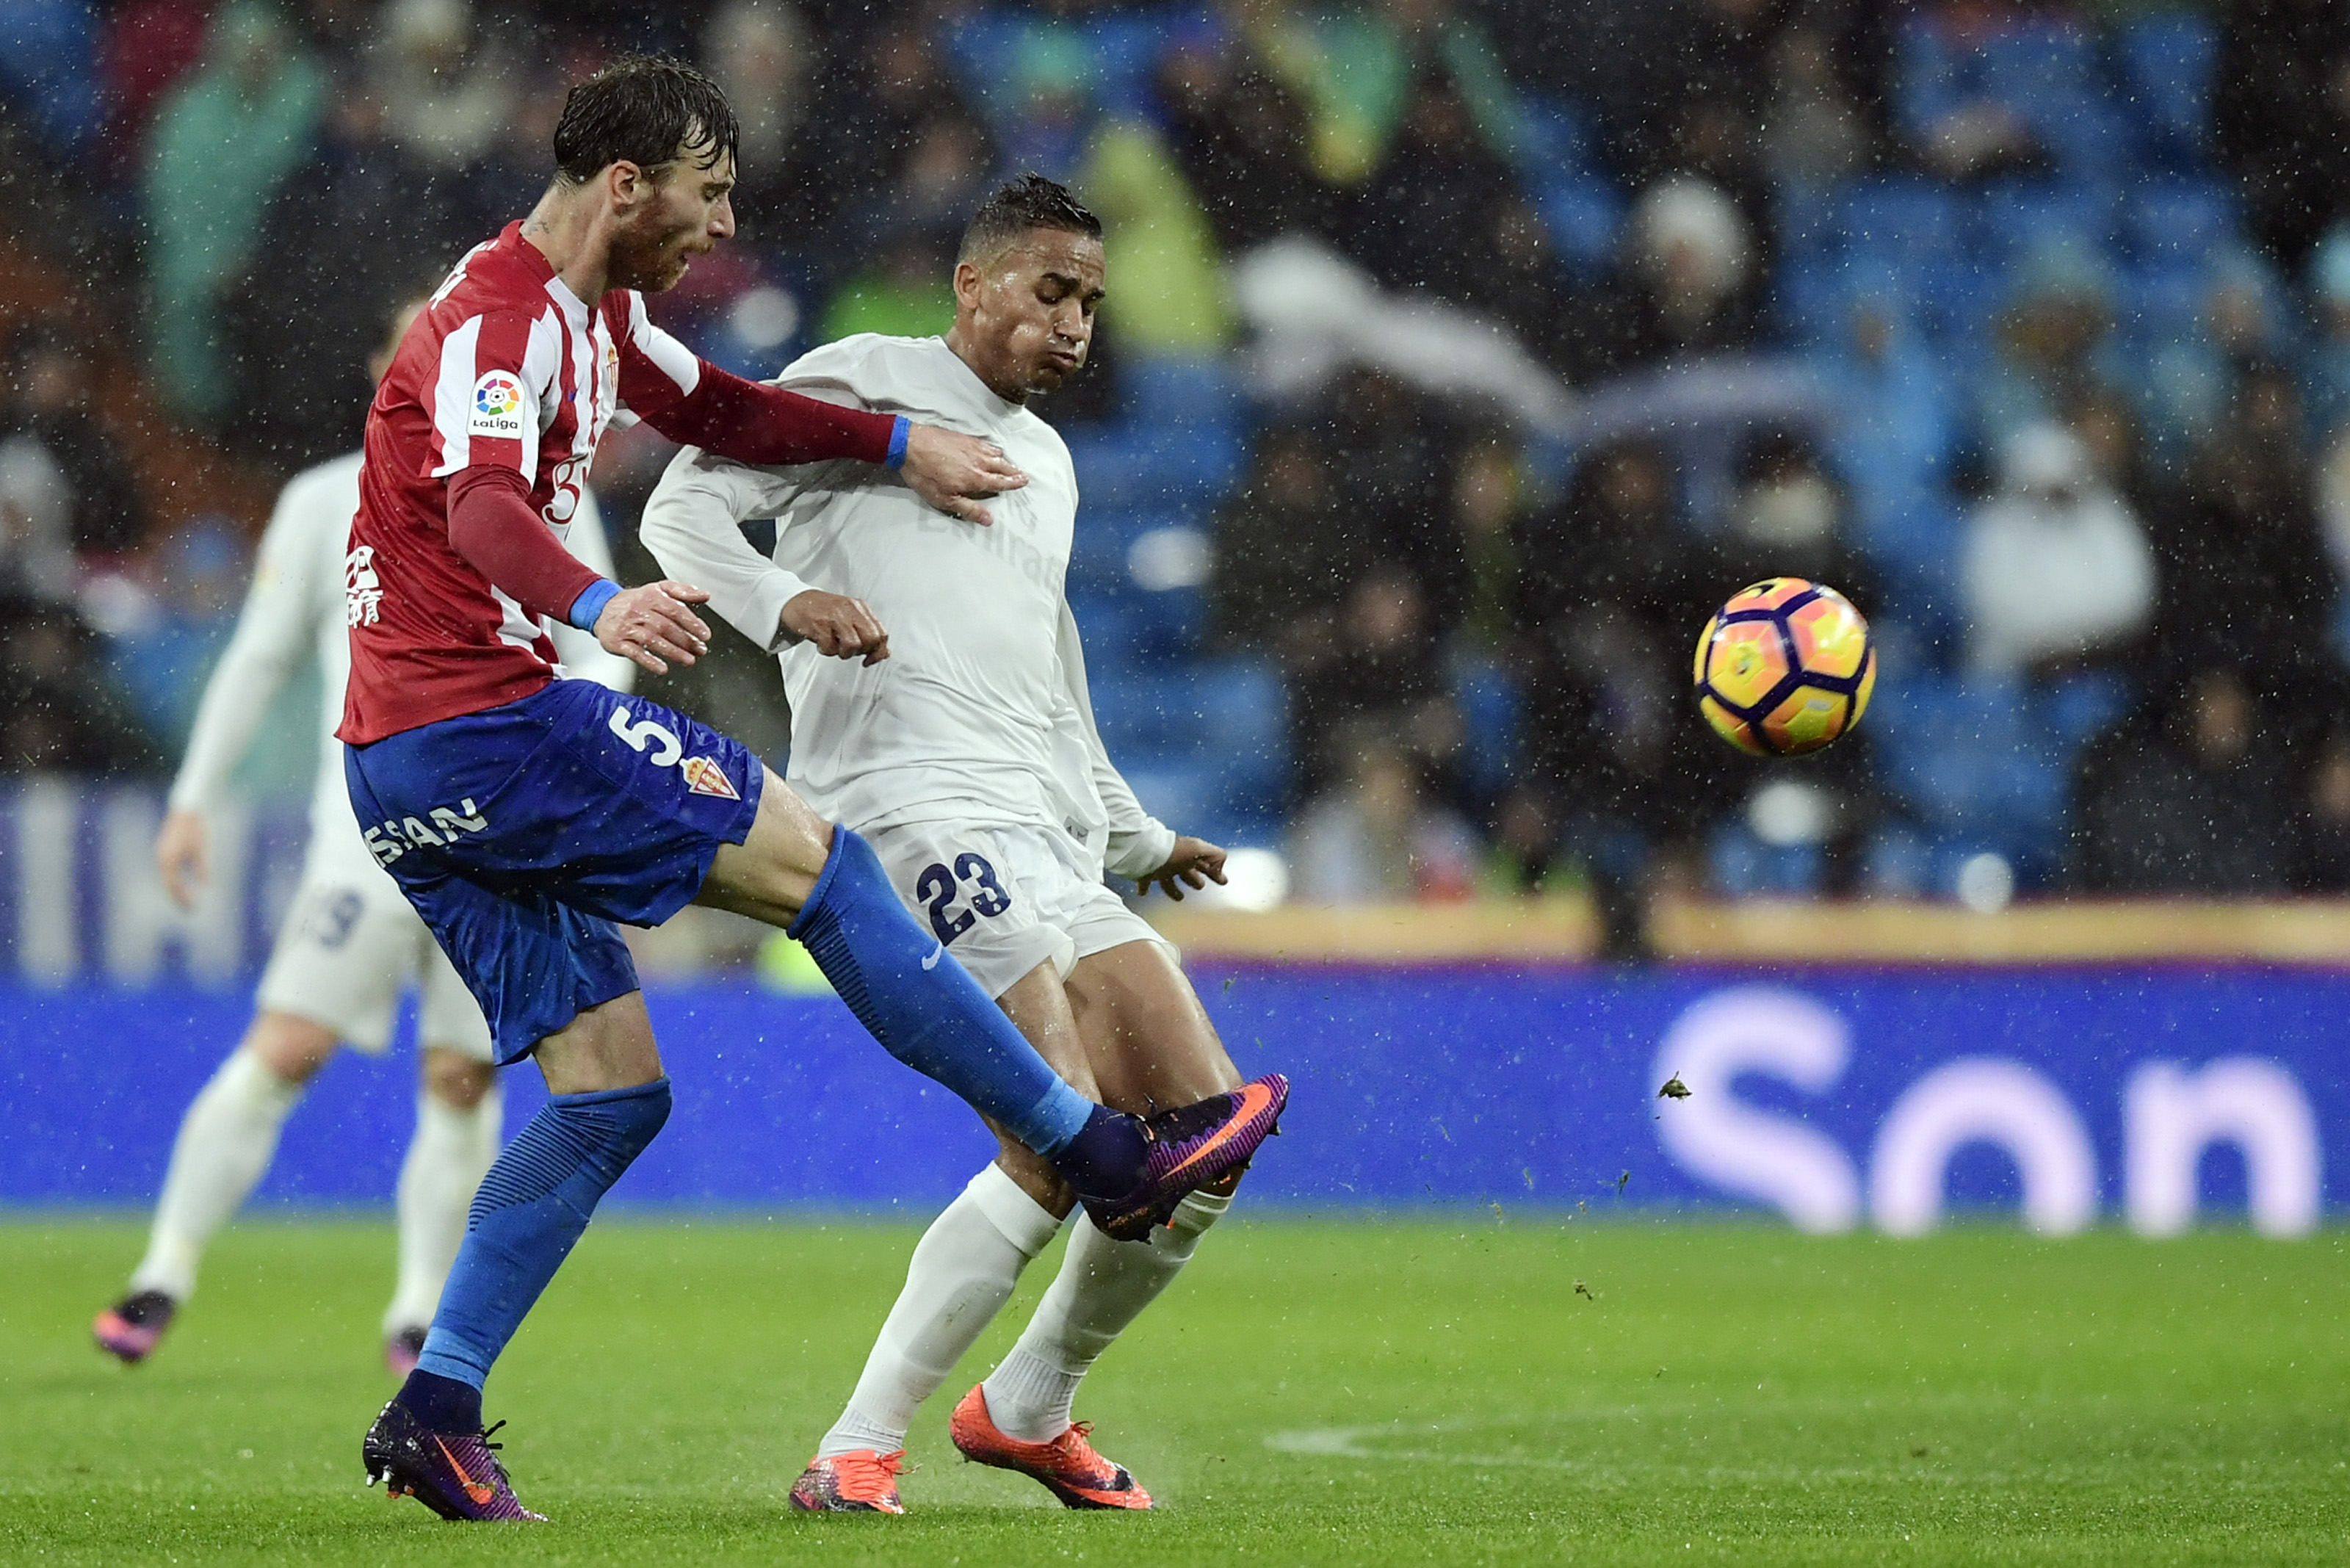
{"x": 1312, "y": 1392}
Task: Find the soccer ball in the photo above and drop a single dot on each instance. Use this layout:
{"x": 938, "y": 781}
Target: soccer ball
{"x": 1785, "y": 668}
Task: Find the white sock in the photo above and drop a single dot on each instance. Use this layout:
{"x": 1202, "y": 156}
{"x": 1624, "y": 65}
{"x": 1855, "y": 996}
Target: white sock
{"x": 225, "y": 1142}
{"x": 1103, "y": 1286}
{"x": 963, "y": 1272}
{"x": 447, "y": 1158}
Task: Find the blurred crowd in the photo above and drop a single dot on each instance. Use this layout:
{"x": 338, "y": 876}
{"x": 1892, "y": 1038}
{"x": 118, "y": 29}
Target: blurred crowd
{"x": 1460, "y": 357}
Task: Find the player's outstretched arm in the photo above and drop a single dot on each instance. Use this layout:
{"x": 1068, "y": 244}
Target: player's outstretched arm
{"x": 955, "y": 472}
{"x": 1194, "y": 864}
{"x": 653, "y": 624}
{"x": 702, "y": 405}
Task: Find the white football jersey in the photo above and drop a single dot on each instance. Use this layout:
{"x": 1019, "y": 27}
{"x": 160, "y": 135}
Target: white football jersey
{"x": 294, "y": 611}
{"x": 981, "y": 713}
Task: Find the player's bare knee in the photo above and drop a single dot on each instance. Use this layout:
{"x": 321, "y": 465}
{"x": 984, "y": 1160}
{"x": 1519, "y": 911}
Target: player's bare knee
{"x": 458, "y": 1082}
{"x": 607, "y": 1046}
{"x": 771, "y": 873}
{"x": 292, "y": 1048}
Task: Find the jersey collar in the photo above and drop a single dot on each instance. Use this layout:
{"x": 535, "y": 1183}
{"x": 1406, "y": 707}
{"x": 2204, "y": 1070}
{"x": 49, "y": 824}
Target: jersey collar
{"x": 575, "y": 309}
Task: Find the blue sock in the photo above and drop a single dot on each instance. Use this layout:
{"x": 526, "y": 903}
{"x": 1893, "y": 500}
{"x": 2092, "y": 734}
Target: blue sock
{"x": 442, "y": 1404}
{"x": 526, "y": 1218}
{"x": 926, "y": 1011}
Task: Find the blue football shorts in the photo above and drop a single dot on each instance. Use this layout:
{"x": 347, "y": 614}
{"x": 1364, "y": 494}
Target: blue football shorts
{"x": 523, "y": 833}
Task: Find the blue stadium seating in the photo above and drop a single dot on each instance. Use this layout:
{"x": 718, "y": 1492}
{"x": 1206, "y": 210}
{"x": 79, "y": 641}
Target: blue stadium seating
{"x": 48, "y": 63}
{"x": 2022, "y": 216}
{"x": 2179, "y": 222}
{"x": 1584, "y": 217}
{"x": 1210, "y": 741}
{"x": 1188, "y": 393}
{"x": 2166, "y": 65}
{"x": 1908, "y": 223}
{"x": 1741, "y": 866}
{"x": 1488, "y": 701}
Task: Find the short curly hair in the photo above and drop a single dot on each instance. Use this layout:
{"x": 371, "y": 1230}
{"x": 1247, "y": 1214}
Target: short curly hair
{"x": 1031, "y": 201}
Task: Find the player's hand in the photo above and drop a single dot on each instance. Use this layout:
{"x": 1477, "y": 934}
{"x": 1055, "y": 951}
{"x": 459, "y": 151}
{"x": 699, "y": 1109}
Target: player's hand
{"x": 652, "y": 624}
{"x": 841, "y": 627}
{"x": 952, "y": 472}
{"x": 180, "y": 854}
{"x": 1194, "y": 864}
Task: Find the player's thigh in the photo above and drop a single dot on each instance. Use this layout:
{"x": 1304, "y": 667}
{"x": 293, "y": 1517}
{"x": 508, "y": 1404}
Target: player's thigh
{"x": 1148, "y": 1039}
{"x": 770, "y": 875}
{"x": 991, "y": 895}
{"x": 535, "y": 965}
{"x": 346, "y": 949}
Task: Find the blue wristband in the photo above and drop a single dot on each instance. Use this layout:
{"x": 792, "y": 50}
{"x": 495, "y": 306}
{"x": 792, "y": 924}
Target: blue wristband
{"x": 591, "y": 602}
{"x": 898, "y": 439}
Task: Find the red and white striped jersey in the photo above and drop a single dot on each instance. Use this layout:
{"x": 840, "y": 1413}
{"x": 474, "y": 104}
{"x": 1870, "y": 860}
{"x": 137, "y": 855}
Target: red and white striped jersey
{"x": 505, "y": 366}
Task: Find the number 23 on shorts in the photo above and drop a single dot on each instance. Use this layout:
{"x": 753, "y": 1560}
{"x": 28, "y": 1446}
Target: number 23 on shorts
{"x": 937, "y": 887}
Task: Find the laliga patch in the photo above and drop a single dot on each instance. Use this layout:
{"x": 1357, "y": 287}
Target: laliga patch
{"x": 703, "y": 776}
{"x": 497, "y": 407}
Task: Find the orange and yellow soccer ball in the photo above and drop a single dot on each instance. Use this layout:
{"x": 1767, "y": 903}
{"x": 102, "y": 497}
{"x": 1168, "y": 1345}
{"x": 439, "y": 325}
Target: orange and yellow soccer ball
{"x": 1785, "y": 668}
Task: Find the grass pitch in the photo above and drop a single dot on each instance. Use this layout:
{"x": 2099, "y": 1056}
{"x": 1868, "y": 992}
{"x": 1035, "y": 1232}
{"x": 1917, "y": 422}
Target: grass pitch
{"x": 1527, "y": 1389}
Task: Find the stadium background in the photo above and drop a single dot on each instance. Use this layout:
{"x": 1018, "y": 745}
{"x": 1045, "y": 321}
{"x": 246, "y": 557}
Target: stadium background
{"x": 1460, "y": 357}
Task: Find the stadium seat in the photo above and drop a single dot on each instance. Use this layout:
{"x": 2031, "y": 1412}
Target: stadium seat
{"x": 1974, "y": 763}
{"x": 2161, "y": 304}
{"x": 1213, "y": 736}
{"x": 1556, "y": 136}
{"x": 1159, "y": 393}
{"x": 2177, "y": 223}
{"x": 1584, "y": 215}
{"x": 48, "y": 63}
{"x": 1741, "y": 866}
{"x": 2166, "y": 64}
{"x": 1909, "y": 224}
{"x": 2078, "y": 708}
{"x": 1125, "y": 50}
{"x": 1487, "y": 696}
{"x": 2022, "y": 216}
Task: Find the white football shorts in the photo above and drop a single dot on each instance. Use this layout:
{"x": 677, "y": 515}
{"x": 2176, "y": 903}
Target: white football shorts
{"x": 351, "y": 942}
{"x": 1007, "y": 897}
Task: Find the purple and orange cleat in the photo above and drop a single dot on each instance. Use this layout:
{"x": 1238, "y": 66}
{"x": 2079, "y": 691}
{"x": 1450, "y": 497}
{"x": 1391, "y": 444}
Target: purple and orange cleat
{"x": 401, "y": 1351}
{"x": 1190, "y": 1146}
{"x": 133, "y": 1326}
{"x": 455, "y": 1474}
{"x": 1068, "y": 1466}
{"x": 862, "y": 1481}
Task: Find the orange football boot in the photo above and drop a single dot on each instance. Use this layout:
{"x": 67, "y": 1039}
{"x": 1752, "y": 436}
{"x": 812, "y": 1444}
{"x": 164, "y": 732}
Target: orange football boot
{"x": 1068, "y": 1466}
{"x": 859, "y": 1482}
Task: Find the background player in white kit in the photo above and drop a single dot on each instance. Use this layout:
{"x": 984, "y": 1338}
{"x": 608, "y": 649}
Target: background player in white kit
{"x": 350, "y": 944}
{"x": 939, "y": 708}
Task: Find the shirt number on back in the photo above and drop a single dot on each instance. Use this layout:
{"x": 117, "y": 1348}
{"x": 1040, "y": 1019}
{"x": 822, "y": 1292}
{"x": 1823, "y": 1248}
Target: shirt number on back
{"x": 937, "y": 887}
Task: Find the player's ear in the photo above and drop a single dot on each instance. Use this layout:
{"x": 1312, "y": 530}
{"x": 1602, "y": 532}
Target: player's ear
{"x": 623, "y": 181}
{"x": 967, "y": 281}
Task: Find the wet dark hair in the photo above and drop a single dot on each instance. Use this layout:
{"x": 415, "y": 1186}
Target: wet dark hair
{"x": 1031, "y": 201}
{"x": 641, "y": 110}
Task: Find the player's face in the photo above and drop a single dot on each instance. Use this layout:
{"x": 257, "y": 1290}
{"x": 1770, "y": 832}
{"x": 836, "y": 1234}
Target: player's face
{"x": 671, "y": 221}
{"x": 1031, "y": 310}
